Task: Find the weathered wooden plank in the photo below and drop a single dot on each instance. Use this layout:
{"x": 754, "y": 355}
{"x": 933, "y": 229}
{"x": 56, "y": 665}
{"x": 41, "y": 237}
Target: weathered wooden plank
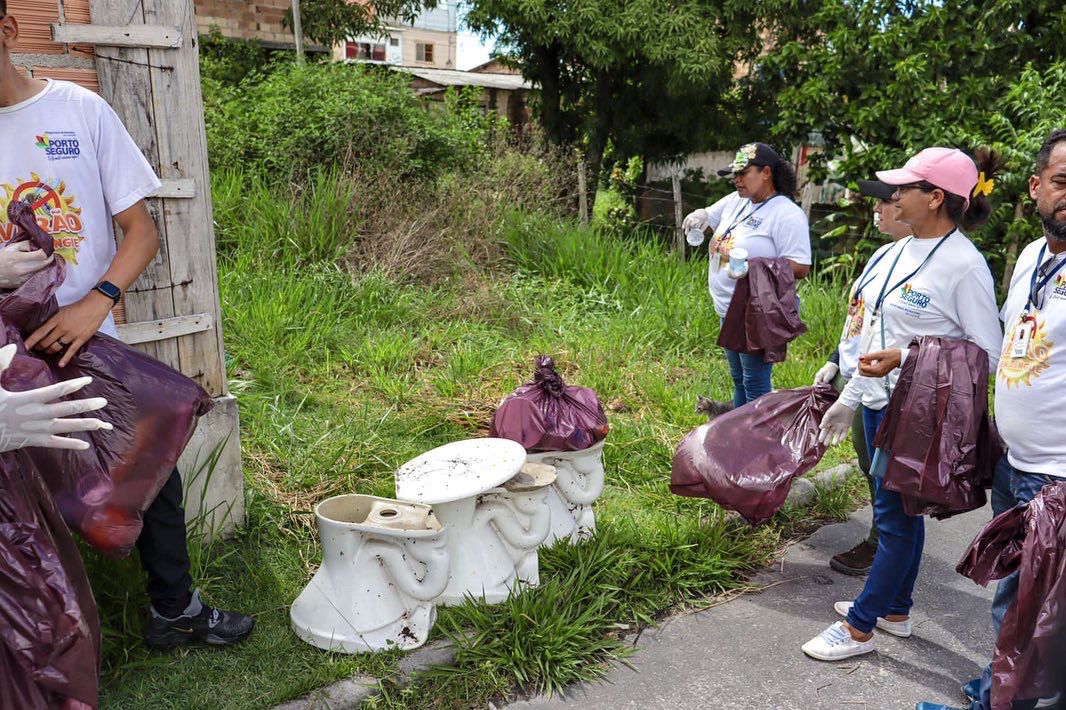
{"x": 183, "y": 152}
{"x": 125, "y": 82}
{"x": 140, "y": 36}
{"x": 176, "y": 189}
{"x": 134, "y": 333}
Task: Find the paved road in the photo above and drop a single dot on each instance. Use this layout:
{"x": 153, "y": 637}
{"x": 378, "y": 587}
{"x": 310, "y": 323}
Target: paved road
{"x": 746, "y": 653}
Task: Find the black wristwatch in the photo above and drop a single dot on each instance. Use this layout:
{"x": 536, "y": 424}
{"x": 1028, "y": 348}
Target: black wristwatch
{"x": 109, "y": 289}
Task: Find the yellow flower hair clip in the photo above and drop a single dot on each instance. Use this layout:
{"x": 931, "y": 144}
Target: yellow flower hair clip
{"x": 984, "y": 186}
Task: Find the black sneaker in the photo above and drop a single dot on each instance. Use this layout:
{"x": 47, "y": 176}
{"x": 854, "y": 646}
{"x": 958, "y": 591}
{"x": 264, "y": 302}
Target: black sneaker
{"x": 211, "y": 626}
{"x": 856, "y": 561}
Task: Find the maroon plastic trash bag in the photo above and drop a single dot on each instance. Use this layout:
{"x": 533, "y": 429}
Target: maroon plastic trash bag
{"x": 102, "y": 492}
{"x": 763, "y": 315}
{"x": 549, "y": 415}
{"x": 937, "y": 433}
{"x": 745, "y": 460}
{"x": 49, "y": 629}
{"x": 1032, "y": 638}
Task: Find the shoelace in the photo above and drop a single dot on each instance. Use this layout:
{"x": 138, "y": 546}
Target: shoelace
{"x": 835, "y": 634}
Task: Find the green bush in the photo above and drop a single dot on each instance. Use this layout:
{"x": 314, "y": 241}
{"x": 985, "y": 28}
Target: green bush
{"x": 364, "y": 118}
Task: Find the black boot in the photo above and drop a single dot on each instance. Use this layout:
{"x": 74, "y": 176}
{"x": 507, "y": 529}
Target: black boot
{"x": 199, "y": 624}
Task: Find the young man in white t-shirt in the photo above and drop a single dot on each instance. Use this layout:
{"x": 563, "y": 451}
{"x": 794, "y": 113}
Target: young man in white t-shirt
{"x": 66, "y": 152}
{"x": 1031, "y": 378}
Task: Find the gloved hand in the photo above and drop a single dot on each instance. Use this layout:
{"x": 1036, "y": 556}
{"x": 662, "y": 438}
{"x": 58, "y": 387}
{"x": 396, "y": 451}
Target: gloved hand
{"x": 20, "y": 262}
{"x": 697, "y": 220}
{"x": 835, "y": 424}
{"x": 827, "y": 374}
{"x": 733, "y": 274}
{"x": 32, "y": 418}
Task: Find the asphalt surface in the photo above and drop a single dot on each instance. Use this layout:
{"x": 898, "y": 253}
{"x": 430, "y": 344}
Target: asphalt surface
{"x": 746, "y": 653}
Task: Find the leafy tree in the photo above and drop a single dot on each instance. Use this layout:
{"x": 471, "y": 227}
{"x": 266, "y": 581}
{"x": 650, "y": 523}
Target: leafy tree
{"x": 650, "y": 77}
{"x": 331, "y": 22}
{"x": 880, "y": 79}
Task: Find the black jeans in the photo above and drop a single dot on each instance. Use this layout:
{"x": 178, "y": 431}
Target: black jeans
{"x": 164, "y": 550}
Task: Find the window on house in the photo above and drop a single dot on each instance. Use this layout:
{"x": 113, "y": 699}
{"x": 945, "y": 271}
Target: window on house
{"x": 424, "y": 52}
{"x": 365, "y": 51}
{"x": 394, "y": 41}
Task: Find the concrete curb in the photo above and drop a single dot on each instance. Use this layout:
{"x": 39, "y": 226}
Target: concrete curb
{"x": 351, "y": 693}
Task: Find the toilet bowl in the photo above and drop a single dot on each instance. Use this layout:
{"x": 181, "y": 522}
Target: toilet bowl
{"x": 490, "y": 528}
{"x": 527, "y": 526}
{"x": 579, "y": 481}
{"x": 383, "y": 563}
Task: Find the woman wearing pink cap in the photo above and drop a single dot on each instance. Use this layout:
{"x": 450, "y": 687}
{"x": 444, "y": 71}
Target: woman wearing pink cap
{"x": 935, "y": 283}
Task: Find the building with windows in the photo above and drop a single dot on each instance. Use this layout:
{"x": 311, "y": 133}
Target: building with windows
{"x": 430, "y": 41}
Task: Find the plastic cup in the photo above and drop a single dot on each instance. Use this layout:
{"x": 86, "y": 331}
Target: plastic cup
{"x": 738, "y": 260}
{"x": 694, "y": 237}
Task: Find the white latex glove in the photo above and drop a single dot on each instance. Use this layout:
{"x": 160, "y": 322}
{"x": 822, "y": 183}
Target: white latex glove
{"x": 33, "y": 419}
{"x": 827, "y": 374}
{"x": 19, "y": 262}
{"x": 697, "y": 220}
{"x": 835, "y": 424}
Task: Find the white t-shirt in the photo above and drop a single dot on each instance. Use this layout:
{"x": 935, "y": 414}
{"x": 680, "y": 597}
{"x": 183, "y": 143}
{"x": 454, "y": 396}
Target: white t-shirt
{"x": 1030, "y": 391}
{"x": 951, "y": 296}
{"x": 67, "y": 151}
{"x": 775, "y": 229}
{"x": 849, "y": 348}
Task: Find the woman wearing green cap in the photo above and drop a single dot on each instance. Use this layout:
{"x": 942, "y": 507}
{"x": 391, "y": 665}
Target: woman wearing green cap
{"x": 761, "y": 219}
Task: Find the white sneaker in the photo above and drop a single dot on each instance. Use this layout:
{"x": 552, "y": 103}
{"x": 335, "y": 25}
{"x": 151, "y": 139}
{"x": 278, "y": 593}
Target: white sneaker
{"x": 836, "y": 644}
{"x": 903, "y": 629}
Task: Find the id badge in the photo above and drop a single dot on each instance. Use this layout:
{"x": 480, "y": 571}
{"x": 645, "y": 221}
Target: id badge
{"x": 1022, "y": 336}
{"x": 868, "y": 334}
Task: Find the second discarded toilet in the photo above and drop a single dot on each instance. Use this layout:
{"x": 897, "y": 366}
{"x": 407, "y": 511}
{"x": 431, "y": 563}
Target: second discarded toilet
{"x": 383, "y": 563}
{"x": 579, "y": 481}
{"x": 491, "y": 530}
{"x": 519, "y": 509}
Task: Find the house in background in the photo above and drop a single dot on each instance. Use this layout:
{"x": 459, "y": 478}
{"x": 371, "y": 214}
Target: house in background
{"x": 503, "y": 93}
{"x": 430, "y": 41}
{"x": 261, "y": 21}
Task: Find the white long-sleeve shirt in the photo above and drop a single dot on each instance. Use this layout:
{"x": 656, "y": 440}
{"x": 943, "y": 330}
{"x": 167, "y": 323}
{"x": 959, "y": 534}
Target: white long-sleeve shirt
{"x": 950, "y": 296}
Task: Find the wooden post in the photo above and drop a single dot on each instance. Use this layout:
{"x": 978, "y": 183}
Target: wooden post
{"x": 297, "y": 30}
{"x": 582, "y": 191}
{"x": 679, "y": 216}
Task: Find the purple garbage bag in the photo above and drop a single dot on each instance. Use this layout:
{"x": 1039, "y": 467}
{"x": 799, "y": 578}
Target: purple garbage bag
{"x": 49, "y": 628}
{"x": 102, "y": 492}
{"x": 549, "y": 415}
{"x": 1029, "y": 540}
{"x": 745, "y": 460}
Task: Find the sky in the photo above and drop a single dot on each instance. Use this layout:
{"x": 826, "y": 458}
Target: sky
{"x": 471, "y": 51}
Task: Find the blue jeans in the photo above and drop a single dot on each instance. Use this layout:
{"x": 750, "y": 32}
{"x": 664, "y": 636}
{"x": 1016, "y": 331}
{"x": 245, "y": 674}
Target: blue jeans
{"x": 751, "y": 376}
{"x": 900, "y": 541}
{"x": 1010, "y": 487}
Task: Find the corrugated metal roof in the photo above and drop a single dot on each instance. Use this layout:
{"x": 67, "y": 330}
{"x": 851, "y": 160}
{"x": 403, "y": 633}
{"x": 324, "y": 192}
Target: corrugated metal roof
{"x": 454, "y": 77}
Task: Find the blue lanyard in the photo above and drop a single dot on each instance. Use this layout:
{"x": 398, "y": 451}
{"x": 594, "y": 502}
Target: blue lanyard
{"x": 860, "y": 284}
{"x": 1034, "y": 288}
{"x": 885, "y": 290}
{"x": 741, "y": 218}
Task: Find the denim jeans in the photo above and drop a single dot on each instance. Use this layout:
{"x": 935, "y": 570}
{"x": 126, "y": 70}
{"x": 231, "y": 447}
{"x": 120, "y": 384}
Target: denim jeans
{"x": 900, "y": 541}
{"x": 751, "y": 376}
{"x": 1010, "y": 487}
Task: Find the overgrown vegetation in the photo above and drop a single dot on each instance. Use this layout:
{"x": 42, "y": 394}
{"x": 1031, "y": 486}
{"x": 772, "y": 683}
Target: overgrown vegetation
{"x": 371, "y": 314}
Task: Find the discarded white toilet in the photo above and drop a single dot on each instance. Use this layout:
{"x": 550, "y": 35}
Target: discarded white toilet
{"x": 519, "y": 509}
{"x": 579, "y": 481}
{"x": 491, "y": 530}
{"x": 383, "y": 563}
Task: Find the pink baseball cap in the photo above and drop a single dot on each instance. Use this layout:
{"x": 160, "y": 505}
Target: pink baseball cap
{"x": 948, "y": 168}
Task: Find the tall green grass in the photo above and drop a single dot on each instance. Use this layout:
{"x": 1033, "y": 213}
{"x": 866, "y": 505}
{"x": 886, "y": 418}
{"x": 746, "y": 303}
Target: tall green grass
{"x": 341, "y": 378}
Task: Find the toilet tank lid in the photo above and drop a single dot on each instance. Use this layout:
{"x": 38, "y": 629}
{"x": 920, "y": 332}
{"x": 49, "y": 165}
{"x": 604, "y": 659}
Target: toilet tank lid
{"x": 459, "y": 470}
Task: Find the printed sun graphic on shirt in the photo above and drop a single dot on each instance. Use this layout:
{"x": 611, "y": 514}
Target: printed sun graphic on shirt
{"x": 725, "y": 245}
{"x": 1021, "y": 371}
{"x": 55, "y": 211}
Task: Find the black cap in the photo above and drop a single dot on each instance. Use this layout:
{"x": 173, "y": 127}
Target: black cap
{"x": 876, "y": 188}
{"x": 752, "y": 154}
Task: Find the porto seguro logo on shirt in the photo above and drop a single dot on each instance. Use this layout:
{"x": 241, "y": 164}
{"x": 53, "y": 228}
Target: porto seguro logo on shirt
{"x": 1060, "y": 286}
{"x": 59, "y": 145}
{"x": 914, "y": 298}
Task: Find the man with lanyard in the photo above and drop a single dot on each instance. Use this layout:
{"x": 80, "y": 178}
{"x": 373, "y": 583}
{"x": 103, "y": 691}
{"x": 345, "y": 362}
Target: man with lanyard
{"x": 68, "y": 154}
{"x": 1031, "y": 379}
